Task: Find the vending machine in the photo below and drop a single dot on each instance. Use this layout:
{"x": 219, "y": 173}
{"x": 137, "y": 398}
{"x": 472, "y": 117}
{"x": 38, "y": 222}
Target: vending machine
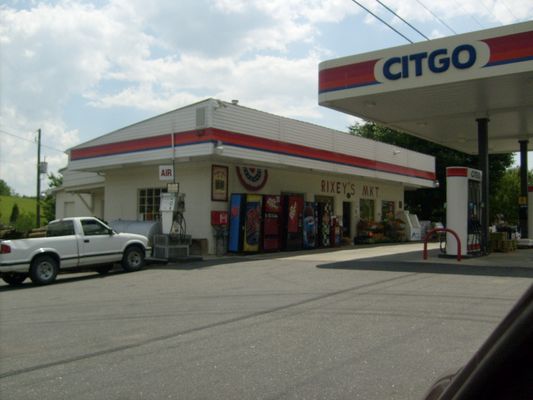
{"x": 271, "y": 223}
{"x": 310, "y": 225}
{"x": 252, "y": 223}
{"x": 292, "y": 210}
{"x": 237, "y": 202}
{"x": 463, "y": 216}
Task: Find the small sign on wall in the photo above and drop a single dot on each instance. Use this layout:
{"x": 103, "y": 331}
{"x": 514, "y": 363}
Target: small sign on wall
{"x": 219, "y": 183}
{"x": 166, "y": 172}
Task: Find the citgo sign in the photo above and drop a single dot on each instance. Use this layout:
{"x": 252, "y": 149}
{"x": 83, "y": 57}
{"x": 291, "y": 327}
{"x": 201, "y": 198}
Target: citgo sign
{"x": 440, "y": 60}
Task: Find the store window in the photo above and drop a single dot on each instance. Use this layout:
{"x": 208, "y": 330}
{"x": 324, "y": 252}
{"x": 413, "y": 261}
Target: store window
{"x": 387, "y": 210}
{"x": 148, "y": 201}
{"x": 366, "y": 209}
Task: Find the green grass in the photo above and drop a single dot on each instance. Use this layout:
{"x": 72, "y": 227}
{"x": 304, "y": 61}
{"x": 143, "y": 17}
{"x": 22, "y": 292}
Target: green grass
{"x": 26, "y": 206}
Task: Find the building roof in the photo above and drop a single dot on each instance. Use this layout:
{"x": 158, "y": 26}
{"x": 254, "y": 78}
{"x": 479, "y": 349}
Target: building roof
{"x": 222, "y": 131}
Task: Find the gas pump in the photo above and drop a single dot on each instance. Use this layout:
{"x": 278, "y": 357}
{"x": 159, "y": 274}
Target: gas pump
{"x": 463, "y": 214}
{"x": 174, "y": 242}
{"x": 167, "y": 207}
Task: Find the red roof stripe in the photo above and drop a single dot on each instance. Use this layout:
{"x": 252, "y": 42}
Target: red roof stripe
{"x": 511, "y": 47}
{"x": 456, "y": 171}
{"x": 212, "y": 135}
{"x": 347, "y": 76}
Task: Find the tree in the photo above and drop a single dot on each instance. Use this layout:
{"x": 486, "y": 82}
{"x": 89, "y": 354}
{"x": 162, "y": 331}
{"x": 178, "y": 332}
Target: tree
{"x": 5, "y": 190}
{"x": 14, "y": 214}
{"x": 504, "y": 202}
{"x": 25, "y": 222}
{"x": 49, "y": 201}
{"x": 429, "y": 203}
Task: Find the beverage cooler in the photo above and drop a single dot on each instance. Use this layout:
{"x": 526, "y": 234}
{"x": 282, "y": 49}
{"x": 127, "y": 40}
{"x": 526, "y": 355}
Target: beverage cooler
{"x": 252, "y": 223}
{"x": 271, "y": 223}
{"x": 245, "y": 223}
{"x": 292, "y": 227}
{"x": 236, "y": 218}
{"x": 310, "y": 225}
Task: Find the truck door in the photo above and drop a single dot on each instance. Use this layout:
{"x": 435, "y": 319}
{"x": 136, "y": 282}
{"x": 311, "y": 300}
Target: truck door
{"x": 61, "y": 236}
{"x": 98, "y": 245}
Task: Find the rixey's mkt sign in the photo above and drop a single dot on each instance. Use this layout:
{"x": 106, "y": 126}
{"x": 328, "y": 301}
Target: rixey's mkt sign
{"x": 347, "y": 188}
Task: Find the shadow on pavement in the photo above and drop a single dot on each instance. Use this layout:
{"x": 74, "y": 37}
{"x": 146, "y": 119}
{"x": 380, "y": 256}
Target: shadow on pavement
{"x": 199, "y": 264}
{"x": 428, "y": 267}
{"x": 62, "y": 278}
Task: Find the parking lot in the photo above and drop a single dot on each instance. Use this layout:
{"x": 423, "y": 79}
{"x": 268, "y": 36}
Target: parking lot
{"x": 368, "y": 323}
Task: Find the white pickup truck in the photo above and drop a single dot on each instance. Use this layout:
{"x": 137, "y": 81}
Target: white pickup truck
{"x": 70, "y": 243}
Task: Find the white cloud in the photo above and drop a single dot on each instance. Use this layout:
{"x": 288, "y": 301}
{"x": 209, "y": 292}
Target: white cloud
{"x": 160, "y": 55}
{"x": 261, "y": 82}
{"x": 18, "y": 149}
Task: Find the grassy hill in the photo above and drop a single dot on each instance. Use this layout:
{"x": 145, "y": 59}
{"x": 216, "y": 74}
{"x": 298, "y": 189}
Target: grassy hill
{"x": 26, "y": 206}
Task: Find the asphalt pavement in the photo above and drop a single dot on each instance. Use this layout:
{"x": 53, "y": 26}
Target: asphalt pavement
{"x": 368, "y": 322}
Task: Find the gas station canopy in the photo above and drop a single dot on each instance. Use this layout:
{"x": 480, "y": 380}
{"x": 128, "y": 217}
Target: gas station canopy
{"x": 437, "y": 89}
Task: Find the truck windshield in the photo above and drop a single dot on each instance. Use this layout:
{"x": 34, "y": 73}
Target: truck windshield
{"x": 92, "y": 227}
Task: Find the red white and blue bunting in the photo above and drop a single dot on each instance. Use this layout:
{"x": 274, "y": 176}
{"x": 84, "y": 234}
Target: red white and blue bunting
{"x": 253, "y": 179}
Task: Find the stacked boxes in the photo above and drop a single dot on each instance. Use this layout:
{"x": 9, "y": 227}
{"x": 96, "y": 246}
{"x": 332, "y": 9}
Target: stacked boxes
{"x": 500, "y": 242}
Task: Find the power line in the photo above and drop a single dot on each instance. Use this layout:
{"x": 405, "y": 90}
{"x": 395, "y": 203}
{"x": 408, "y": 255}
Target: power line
{"x": 489, "y": 11}
{"x": 436, "y": 17}
{"x": 508, "y": 9}
{"x": 411, "y": 26}
{"x": 29, "y": 140}
{"x": 375, "y": 16}
{"x": 471, "y": 16}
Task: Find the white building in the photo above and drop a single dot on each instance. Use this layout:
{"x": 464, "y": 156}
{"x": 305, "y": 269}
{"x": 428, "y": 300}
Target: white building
{"x": 121, "y": 175}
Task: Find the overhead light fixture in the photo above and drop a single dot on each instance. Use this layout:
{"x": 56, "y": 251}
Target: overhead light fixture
{"x": 396, "y": 152}
{"x": 370, "y": 104}
{"x": 219, "y": 148}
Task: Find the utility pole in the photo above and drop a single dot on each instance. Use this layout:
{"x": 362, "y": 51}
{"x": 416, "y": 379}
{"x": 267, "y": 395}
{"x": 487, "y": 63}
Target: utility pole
{"x": 38, "y": 177}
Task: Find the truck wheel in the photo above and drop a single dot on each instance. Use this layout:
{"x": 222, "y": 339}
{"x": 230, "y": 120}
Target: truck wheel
{"x": 133, "y": 259}
{"x": 43, "y": 270}
{"x": 14, "y": 278}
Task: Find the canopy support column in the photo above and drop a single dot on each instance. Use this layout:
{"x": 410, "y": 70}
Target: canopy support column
{"x": 523, "y": 206}
{"x": 483, "y": 152}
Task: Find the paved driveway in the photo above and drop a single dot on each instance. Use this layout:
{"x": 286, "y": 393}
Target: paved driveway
{"x": 333, "y": 325}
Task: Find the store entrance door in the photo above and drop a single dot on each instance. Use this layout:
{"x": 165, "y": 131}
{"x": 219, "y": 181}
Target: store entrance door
{"x": 346, "y": 219}
{"x": 325, "y": 213}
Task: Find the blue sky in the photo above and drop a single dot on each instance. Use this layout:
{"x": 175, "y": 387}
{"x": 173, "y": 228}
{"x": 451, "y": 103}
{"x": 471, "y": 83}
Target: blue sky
{"x": 80, "y": 69}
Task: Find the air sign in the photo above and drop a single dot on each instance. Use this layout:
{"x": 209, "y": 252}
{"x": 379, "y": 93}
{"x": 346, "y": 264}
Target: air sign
{"x": 462, "y": 57}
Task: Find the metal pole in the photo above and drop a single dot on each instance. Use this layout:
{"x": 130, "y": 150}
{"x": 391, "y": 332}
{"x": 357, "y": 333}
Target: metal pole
{"x": 483, "y": 152}
{"x": 523, "y": 206}
{"x": 38, "y": 178}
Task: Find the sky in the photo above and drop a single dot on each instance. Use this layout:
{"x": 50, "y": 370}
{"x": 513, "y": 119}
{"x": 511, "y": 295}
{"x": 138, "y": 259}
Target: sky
{"x": 79, "y": 69}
